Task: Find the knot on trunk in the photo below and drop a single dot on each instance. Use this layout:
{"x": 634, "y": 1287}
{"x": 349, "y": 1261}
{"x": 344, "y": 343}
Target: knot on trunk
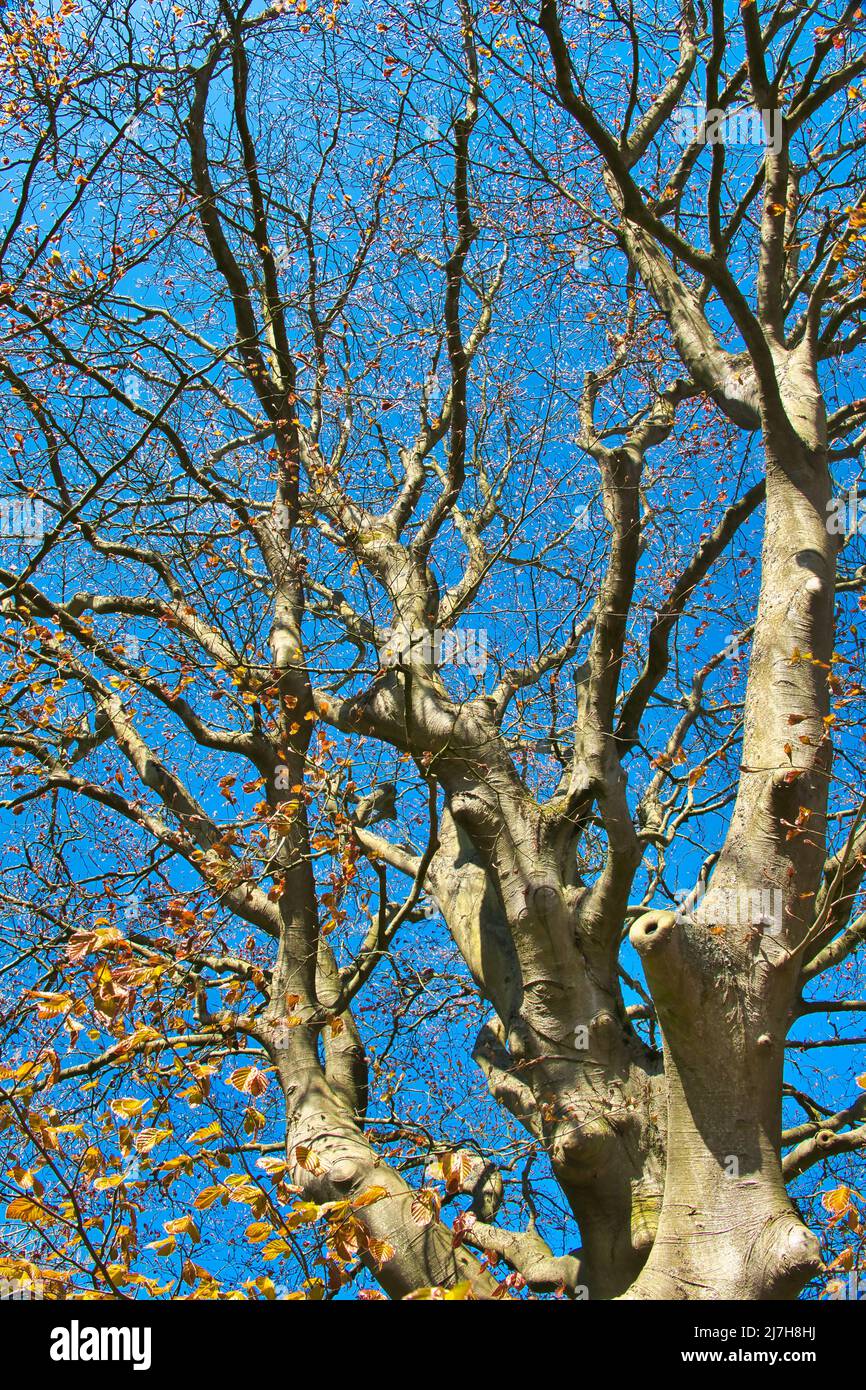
{"x": 784, "y": 1258}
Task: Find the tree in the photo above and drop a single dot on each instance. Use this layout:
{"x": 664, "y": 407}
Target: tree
{"x": 427, "y": 440}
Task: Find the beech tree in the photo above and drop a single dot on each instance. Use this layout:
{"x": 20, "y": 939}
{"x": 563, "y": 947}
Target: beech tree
{"x": 431, "y": 591}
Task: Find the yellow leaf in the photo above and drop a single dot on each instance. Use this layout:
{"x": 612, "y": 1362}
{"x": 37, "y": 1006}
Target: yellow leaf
{"x": 258, "y": 1231}
{"x": 425, "y": 1206}
{"x": 273, "y": 1166}
{"x": 149, "y": 1138}
{"x": 837, "y": 1202}
{"x": 372, "y": 1194}
{"x": 128, "y": 1107}
{"x": 250, "y": 1080}
{"x": 183, "y": 1226}
{"x": 164, "y": 1247}
{"x": 49, "y": 1005}
{"x": 275, "y": 1248}
{"x": 306, "y": 1159}
{"x": 22, "y": 1209}
{"x": 208, "y": 1196}
{"x": 211, "y": 1131}
{"x": 379, "y": 1250}
{"x": 264, "y": 1285}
